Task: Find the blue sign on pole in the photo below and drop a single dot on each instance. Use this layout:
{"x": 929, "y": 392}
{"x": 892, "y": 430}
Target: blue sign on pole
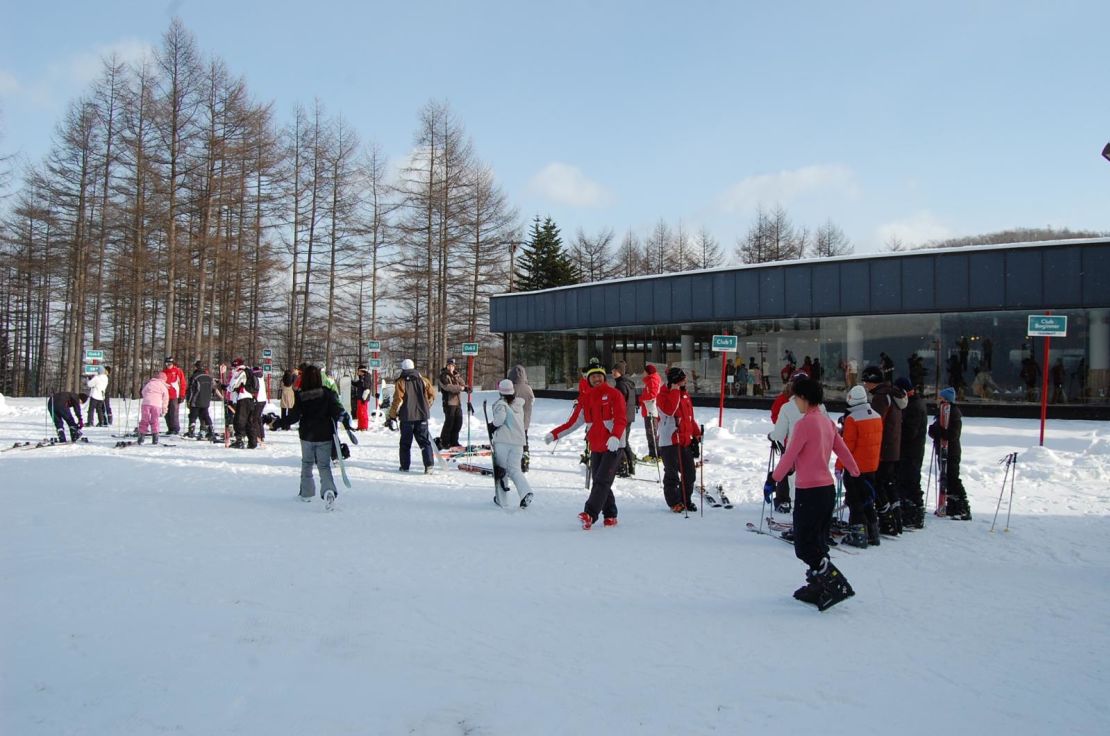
{"x": 1047, "y": 325}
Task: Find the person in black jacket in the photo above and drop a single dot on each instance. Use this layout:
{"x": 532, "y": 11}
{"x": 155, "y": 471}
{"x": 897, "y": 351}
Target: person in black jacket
{"x": 65, "y": 406}
{"x": 360, "y": 397}
{"x": 628, "y": 391}
{"x": 198, "y": 397}
{"x": 945, "y": 432}
{"x": 317, "y": 410}
{"x": 915, "y": 418}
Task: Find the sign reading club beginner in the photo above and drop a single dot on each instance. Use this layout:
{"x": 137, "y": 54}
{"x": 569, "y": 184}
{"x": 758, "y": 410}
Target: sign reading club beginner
{"x": 1047, "y": 325}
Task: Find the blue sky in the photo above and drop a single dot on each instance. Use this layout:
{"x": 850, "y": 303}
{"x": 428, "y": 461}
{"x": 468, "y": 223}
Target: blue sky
{"x": 917, "y": 120}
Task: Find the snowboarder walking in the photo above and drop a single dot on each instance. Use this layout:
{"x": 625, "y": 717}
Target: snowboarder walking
{"x": 814, "y": 439}
{"x": 524, "y": 392}
{"x": 679, "y": 439}
{"x": 316, "y": 410}
{"x": 508, "y": 438}
{"x": 412, "y": 400}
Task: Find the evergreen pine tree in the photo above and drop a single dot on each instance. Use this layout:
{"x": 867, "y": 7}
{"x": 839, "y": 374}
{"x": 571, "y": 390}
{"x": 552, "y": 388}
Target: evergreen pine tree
{"x": 544, "y": 262}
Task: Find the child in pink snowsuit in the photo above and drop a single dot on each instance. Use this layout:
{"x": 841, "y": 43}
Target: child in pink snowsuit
{"x": 156, "y": 400}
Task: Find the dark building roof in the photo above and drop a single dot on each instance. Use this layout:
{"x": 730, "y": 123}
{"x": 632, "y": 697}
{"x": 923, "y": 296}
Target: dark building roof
{"x": 1022, "y": 276}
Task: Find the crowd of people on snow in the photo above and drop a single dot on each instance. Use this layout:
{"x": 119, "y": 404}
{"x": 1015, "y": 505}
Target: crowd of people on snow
{"x": 879, "y": 442}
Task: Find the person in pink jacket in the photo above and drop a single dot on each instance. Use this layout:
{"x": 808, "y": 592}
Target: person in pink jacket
{"x": 156, "y": 399}
{"x": 813, "y": 439}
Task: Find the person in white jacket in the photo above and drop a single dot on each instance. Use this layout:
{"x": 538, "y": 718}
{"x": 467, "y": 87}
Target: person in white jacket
{"x": 509, "y": 440}
{"x": 98, "y": 386}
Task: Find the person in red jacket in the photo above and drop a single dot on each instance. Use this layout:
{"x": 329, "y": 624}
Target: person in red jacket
{"x": 652, "y": 384}
{"x": 175, "y": 382}
{"x": 605, "y": 413}
{"x": 679, "y": 442}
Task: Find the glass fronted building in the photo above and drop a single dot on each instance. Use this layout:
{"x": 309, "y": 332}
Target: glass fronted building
{"x": 940, "y": 317}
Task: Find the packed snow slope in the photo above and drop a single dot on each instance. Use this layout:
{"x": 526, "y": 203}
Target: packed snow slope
{"x": 185, "y": 590}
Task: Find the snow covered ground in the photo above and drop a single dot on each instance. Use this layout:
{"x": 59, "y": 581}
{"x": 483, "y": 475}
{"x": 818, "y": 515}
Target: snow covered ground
{"x": 185, "y": 590}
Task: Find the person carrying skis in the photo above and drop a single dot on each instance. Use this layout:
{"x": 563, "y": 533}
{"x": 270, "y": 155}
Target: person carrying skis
{"x": 156, "y": 400}
{"x": 509, "y": 438}
{"x": 523, "y": 391}
{"x": 945, "y": 432}
{"x": 652, "y": 384}
{"x": 316, "y": 410}
{"x": 202, "y": 389}
{"x": 451, "y": 387}
{"x": 628, "y": 392}
{"x": 360, "y": 398}
{"x": 244, "y": 386}
{"x": 98, "y": 385}
{"x": 814, "y": 439}
{"x": 604, "y": 412}
{"x": 863, "y": 435}
{"x": 679, "y": 442}
{"x": 175, "y": 384}
{"x": 65, "y": 407}
{"x": 412, "y": 400}
{"x": 915, "y": 418}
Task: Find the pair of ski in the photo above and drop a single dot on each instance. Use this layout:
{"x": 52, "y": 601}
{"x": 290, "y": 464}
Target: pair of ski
{"x": 721, "y": 500}
{"x": 130, "y": 443}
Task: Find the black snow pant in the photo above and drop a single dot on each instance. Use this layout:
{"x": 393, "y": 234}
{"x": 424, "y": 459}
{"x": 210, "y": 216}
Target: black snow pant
{"x": 418, "y": 431}
{"x": 652, "y": 440}
{"x": 628, "y": 458}
{"x": 256, "y": 420}
{"x": 679, "y": 474}
{"x": 957, "y": 502}
{"x": 96, "y": 408}
{"x": 452, "y": 423}
{"x": 67, "y": 418}
{"x": 173, "y": 421}
{"x": 859, "y": 495}
{"x": 201, "y": 413}
{"x": 603, "y": 469}
{"x": 813, "y": 508}
{"x": 886, "y": 480}
{"x": 909, "y": 476}
{"x": 244, "y": 427}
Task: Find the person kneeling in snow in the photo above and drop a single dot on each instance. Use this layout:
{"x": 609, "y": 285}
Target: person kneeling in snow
{"x": 508, "y": 440}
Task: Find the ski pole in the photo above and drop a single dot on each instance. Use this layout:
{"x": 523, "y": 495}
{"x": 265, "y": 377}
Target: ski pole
{"x": 770, "y": 468}
{"x": 929, "y": 478}
{"x": 1010, "y": 504}
{"x": 702, "y": 474}
{"x": 682, "y": 481}
{"x": 1005, "y": 477}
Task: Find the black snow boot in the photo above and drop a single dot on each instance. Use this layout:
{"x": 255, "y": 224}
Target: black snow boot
{"x": 190, "y": 433}
{"x": 811, "y": 591}
{"x": 834, "y": 586}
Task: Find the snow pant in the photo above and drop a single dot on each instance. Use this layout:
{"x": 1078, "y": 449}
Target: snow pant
{"x": 957, "y": 502}
{"x": 108, "y": 409}
{"x": 452, "y": 423}
{"x": 173, "y": 420}
{"x": 96, "y": 408}
{"x": 244, "y": 427}
{"x": 148, "y": 420}
{"x": 419, "y": 431}
{"x": 652, "y": 440}
{"x": 890, "y": 504}
{"x": 256, "y": 419}
{"x": 628, "y": 458}
{"x": 782, "y": 489}
{"x": 859, "y": 495}
{"x": 813, "y": 509}
{"x": 603, "y": 469}
{"x": 65, "y": 417}
{"x": 318, "y": 454}
{"x": 679, "y": 474}
{"x": 362, "y": 414}
{"x": 909, "y": 475}
{"x": 509, "y": 457}
{"x": 201, "y": 413}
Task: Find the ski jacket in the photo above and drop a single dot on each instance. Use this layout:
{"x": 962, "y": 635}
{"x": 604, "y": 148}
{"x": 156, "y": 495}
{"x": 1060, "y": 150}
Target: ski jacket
{"x": 238, "y": 388}
{"x": 788, "y": 417}
{"x": 63, "y": 402}
{"x": 288, "y": 396}
{"x": 628, "y": 391}
{"x": 509, "y": 420}
{"x": 261, "y": 395}
{"x": 887, "y": 401}
{"x": 175, "y": 382}
{"x": 652, "y": 384}
{"x": 97, "y": 384}
{"x": 317, "y": 410}
{"x": 156, "y": 393}
{"x": 814, "y": 440}
{"x": 776, "y": 406}
{"x": 603, "y": 409}
{"x": 200, "y": 391}
{"x": 524, "y": 391}
{"x": 915, "y": 418}
{"x": 946, "y": 431}
{"x": 863, "y": 434}
{"x": 451, "y": 385}
{"x": 412, "y": 398}
{"x": 360, "y": 387}
{"x": 676, "y": 418}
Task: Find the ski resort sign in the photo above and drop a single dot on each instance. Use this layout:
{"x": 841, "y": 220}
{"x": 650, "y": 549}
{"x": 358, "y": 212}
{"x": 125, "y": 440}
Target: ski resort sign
{"x": 1047, "y": 325}
{"x": 470, "y": 348}
{"x": 725, "y": 343}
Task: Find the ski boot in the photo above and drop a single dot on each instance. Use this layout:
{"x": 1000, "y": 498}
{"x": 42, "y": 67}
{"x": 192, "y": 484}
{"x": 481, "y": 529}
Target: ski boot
{"x": 61, "y": 436}
{"x": 811, "y": 591}
{"x": 154, "y": 439}
{"x": 329, "y": 500}
{"x": 141, "y": 438}
{"x": 75, "y": 434}
{"x": 610, "y": 521}
{"x": 834, "y": 586}
{"x": 783, "y": 506}
{"x": 526, "y": 501}
{"x": 856, "y": 536}
{"x": 190, "y": 433}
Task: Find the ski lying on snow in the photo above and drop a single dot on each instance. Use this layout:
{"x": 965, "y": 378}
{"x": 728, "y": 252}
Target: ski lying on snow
{"x": 472, "y": 468}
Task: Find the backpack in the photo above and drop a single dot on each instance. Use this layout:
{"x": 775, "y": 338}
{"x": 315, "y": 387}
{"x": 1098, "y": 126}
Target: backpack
{"x": 251, "y": 384}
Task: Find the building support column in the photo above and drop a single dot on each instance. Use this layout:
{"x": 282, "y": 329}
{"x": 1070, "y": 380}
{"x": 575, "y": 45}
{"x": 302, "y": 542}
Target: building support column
{"x": 1098, "y": 353}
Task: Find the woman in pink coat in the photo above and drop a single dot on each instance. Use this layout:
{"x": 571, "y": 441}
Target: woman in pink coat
{"x": 156, "y": 400}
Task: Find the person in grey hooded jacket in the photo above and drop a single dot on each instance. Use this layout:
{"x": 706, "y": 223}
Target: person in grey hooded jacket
{"x": 524, "y": 393}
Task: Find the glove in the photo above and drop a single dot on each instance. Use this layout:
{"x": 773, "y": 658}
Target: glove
{"x": 469, "y": 408}
{"x": 769, "y": 489}
{"x": 366, "y": 395}
{"x": 491, "y": 427}
{"x": 469, "y": 389}
{"x": 548, "y": 438}
{"x": 391, "y": 425}
{"x": 613, "y": 444}
{"x": 695, "y": 447}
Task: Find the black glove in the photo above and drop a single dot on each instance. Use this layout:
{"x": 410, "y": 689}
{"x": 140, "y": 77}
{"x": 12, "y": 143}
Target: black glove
{"x": 491, "y": 427}
{"x": 695, "y": 447}
{"x": 469, "y": 408}
{"x": 391, "y": 425}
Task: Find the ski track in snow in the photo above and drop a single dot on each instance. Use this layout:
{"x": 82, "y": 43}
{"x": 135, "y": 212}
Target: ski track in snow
{"x": 186, "y": 590}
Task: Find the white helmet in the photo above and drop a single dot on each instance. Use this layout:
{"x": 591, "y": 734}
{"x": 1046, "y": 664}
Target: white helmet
{"x": 505, "y": 387}
{"x": 407, "y": 365}
{"x": 857, "y": 395}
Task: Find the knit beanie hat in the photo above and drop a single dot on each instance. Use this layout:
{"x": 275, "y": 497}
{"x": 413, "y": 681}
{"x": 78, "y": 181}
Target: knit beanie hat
{"x": 650, "y": 368}
{"x": 407, "y": 365}
{"x": 591, "y": 370}
{"x": 857, "y": 395}
{"x": 948, "y": 394}
{"x": 505, "y": 387}
{"x": 674, "y": 375}
{"x": 872, "y": 374}
{"x": 903, "y": 383}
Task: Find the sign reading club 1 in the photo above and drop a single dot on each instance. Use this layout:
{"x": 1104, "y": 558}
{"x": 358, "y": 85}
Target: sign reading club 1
{"x": 470, "y": 349}
{"x": 725, "y": 343}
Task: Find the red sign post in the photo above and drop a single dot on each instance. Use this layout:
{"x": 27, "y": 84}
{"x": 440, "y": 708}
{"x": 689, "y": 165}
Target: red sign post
{"x": 725, "y": 344}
